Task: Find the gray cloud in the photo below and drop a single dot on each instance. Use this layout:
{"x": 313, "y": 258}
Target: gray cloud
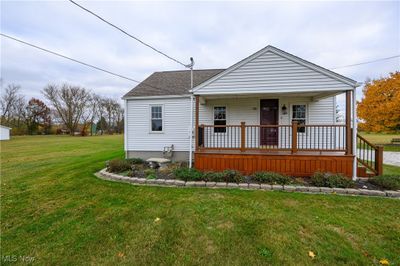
{"x": 216, "y": 34}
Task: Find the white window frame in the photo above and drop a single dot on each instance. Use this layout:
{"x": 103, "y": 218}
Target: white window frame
{"x": 306, "y": 112}
{"x": 226, "y": 117}
{"x": 151, "y": 119}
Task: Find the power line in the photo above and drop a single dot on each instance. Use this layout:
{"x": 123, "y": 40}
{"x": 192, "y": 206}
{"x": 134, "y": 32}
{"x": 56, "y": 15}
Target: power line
{"x": 77, "y": 61}
{"x": 141, "y": 82}
{"x": 128, "y": 34}
{"x": 368, "y": 62}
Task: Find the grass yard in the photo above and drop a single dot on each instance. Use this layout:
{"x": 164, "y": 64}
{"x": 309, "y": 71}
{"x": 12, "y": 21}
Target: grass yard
{"x": 391, "y": 170}
{"x": 54, "y": 209}
{"x": 382, "y": 139}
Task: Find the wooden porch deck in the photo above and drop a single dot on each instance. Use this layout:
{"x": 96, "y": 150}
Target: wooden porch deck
{"x": 301, "y": 164}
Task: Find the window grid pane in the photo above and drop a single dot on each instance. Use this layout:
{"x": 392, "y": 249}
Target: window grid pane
{"x": 156, "y": 118}
{"x": 156, "y": 112}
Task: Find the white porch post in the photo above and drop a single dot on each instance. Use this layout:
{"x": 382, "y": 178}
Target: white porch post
{"x": 355, "y": 133}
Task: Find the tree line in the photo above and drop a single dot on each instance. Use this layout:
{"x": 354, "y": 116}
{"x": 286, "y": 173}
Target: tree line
{"x": 68, "y": 109}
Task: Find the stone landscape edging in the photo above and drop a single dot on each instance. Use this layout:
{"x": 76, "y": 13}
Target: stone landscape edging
{"x": 103, "y": 174}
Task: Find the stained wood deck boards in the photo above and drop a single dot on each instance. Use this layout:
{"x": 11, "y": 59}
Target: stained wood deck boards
{"x": 300, "y": 164}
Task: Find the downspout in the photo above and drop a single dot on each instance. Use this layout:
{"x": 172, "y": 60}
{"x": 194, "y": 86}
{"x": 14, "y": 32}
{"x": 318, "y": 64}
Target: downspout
{"x": 355, "y": 164}
{"x": 191, "y": 132}
{"x": 191, "y": 115}
{"x": 125, "y": 128}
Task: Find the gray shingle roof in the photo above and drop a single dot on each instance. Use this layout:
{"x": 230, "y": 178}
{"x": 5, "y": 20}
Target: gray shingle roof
{"x": 171, "y": 82}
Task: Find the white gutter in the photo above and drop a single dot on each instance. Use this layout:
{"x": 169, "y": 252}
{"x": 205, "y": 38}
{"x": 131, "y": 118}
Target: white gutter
{"x": 156, "y": 97}
{"x": 355, "y": 133}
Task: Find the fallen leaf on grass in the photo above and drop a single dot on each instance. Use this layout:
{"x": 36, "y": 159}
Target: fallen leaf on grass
{"x": 121, "y": 255}
{"x": 384, "y": 262}
{"x": 311, "y": 254}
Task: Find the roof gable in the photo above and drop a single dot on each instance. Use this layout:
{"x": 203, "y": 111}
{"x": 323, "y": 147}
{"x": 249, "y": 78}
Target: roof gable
{"x": 274, "y": 70}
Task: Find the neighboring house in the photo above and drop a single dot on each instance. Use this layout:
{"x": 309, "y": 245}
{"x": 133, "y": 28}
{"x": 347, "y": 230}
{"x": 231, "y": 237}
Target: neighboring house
{"x": 243, "y": 118}
{"x": 4, "y": 132}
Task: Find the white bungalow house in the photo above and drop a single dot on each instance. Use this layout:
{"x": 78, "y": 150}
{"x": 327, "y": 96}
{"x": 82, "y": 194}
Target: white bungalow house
{"x": 272, "y": 111}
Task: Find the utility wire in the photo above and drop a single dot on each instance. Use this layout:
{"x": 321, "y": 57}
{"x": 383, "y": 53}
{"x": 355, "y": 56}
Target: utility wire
{"x": 128, "y": 34}
{"x": 77, "y": 61}
{"x": 141, "y": 82}
{"x": 368, "y": 62}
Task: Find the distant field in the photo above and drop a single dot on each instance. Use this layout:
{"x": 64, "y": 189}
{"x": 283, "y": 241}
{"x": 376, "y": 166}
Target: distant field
{"x": 383, "y": 139}
{"x": 55, "y": 210}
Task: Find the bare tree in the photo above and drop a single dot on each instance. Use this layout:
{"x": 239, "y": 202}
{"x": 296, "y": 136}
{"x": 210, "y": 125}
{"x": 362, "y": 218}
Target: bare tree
{"x": 19, "y": 115}
{"x": 119, "y": 118}
{"x": 9, "y": 101}
{"x": 110, "y": 106}
{"x": 70, "y": 102}
{"x": 100, "y": 112}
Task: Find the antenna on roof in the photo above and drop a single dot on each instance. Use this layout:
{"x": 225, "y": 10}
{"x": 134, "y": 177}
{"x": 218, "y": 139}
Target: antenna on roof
{"x": 191, "y": 63}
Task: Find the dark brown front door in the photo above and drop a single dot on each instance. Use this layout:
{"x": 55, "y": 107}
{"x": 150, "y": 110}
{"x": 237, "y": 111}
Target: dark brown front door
{"x": 269, "y": 111}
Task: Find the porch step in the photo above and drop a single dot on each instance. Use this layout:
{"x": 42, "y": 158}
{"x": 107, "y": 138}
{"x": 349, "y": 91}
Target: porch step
{"x": 158, "y": 162}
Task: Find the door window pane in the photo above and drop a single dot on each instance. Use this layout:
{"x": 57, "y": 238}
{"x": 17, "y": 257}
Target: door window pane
{"x": 219, "y": 119}
{"x": 299, "y": 115}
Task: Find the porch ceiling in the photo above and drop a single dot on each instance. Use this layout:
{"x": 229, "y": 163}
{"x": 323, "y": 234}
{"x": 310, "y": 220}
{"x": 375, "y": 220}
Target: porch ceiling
{"x": 315, "y": 95}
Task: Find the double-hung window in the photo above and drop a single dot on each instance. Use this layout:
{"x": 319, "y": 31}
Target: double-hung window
{"x": 219, "y": 119}
{"x": 299, "y": 113}
{"x": 156, "y": 118}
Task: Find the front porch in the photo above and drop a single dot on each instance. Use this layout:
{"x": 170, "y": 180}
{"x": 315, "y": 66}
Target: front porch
{"x": 300, "y": 148}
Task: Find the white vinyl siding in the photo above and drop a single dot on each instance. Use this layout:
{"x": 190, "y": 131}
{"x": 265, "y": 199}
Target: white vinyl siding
{"x": 272, "y": 73}
{"x": 176, "y": 123}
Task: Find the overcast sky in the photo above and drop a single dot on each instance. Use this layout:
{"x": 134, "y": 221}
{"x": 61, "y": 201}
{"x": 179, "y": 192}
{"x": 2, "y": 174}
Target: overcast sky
{"x": 216, "y": 34}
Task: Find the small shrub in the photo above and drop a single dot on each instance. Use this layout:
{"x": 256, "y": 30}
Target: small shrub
{"x": 135, "y": 160}
{"x": 320, "y": 179}
{"x": 386, "y": 181}
{"x": 150, "y": 173}
{"x": 213, "y": 177}
{"x": 188, "y": 174}
{"x": 272, "y": 178}
{"x": 232, "y": 176}
{"x": 118, "y": 166}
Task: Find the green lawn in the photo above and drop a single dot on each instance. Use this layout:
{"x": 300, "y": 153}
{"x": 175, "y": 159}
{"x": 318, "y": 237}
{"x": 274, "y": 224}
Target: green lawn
{"x": 54, "y": 209}
{"x": 382, "y": 139}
